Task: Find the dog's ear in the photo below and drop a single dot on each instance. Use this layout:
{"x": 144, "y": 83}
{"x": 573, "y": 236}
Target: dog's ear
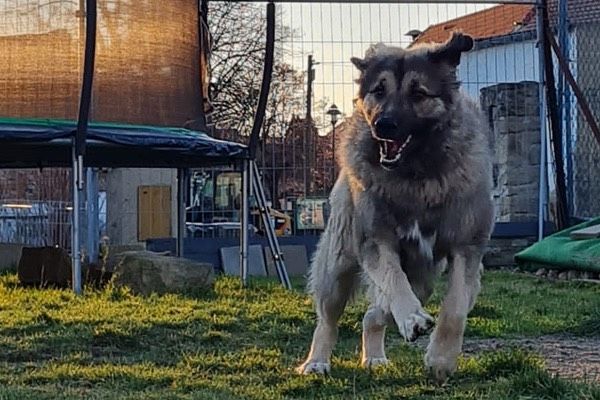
{"x": 451, "y": 51}
{"x": 360, "y": 63}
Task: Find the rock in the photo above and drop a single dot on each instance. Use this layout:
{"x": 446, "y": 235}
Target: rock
{"x": 146, "y": 272}
{"x": 573, "y": 275}
{"x": 541, "y": 272}
{"x": 552, "y": 274}
{"x": 589, "y": 275}
{"x": 586, "y": 275}
{"x": 562, "y": 276}
{"x": 112, "y": 253}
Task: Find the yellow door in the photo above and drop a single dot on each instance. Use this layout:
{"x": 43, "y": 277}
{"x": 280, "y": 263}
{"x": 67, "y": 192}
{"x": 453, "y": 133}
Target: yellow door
{"x": 154, "y": 212}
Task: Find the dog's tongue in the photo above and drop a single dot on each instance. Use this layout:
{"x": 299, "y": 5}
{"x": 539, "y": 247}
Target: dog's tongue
{"x": 391, "y": 149}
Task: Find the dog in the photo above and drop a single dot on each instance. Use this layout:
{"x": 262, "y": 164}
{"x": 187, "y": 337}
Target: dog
{"x": 413, "y": 197}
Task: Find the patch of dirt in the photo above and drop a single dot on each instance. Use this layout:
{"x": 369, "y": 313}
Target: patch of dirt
{"x": 568, "y": 356}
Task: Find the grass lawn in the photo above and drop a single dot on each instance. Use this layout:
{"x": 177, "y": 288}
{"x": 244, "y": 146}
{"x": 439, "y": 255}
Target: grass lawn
{"x": 234, "y": 343}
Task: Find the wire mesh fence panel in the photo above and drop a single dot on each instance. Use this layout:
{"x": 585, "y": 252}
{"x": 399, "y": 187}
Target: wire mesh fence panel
{"x": 34, "y": 223}
{"x": 313, "y": 89}
{"x": 577, "y": 26}
{"x": 147, "y": 77}
{"x": 36, "y": 207}
{"x": 214, "y": 203}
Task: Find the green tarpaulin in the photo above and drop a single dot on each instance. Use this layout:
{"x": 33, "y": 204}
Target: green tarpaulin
{"x": 560, "y": 252}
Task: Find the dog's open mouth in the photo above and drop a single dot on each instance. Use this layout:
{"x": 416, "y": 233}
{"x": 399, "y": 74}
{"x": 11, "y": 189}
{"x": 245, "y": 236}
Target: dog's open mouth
{"x": 390, "y": 151}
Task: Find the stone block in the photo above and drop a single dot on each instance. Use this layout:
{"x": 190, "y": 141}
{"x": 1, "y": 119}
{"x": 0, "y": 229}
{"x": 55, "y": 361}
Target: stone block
{"x": 296, "y": 260}
{"x": 230, "y": 260}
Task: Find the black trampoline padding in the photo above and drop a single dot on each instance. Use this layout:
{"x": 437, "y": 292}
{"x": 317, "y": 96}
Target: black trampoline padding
{"x": 30, "y": 143}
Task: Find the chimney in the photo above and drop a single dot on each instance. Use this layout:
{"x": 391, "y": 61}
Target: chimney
{"x": 414, "y": 34}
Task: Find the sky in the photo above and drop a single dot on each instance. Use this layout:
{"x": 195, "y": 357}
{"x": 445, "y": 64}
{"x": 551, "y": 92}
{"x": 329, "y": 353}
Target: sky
{"x": 331, "y": 32}
{"x": 334, "y": 32}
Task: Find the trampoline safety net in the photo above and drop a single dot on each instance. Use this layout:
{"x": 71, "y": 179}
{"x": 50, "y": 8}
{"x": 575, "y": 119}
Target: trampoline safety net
{"x": 147, "y": 63}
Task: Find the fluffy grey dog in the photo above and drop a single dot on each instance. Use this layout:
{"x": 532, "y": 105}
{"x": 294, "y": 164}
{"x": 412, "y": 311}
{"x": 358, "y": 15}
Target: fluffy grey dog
{"x": 413, "y": 196}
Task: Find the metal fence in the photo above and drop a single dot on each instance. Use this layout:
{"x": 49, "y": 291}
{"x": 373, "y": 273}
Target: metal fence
{"x": 46, "y": 223}
{"x": 36, "y": 208}
{"x": 313, "y": 89}
{"x": 577, "y": 24}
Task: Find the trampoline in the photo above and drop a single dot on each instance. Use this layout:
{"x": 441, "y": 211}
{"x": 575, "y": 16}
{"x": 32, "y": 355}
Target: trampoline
{"x": 37, "y": 143}
{"x": 147, "y": 72}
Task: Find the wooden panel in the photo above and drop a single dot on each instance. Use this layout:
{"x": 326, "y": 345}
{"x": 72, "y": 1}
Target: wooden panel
{"x": 154, "y": 212}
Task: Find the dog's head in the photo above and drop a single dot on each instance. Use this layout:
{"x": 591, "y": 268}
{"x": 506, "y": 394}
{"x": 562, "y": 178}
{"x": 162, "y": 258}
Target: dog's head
{"x": 406, "y": 95}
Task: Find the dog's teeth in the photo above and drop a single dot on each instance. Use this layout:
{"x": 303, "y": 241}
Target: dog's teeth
{"x": 383, "y": 150}
{"x": 405, "y": 142}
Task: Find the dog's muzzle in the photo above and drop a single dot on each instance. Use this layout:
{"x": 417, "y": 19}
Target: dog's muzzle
{"x": 391, "y": 142}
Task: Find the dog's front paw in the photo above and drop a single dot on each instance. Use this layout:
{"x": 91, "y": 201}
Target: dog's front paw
{"x": 371, "y": 362}
{"x": 440, "y": 364}
{"x": 313, "y": 367}
{"x": 412, "y": 323}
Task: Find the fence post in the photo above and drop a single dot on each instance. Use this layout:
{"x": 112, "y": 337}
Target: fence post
{"x": 564, "y": 101}
{"x": 542, "y": 190}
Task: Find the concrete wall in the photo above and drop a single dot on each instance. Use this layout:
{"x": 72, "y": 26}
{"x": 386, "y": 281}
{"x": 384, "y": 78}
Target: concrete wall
{"x": 512, "y": 62}
{"x": 10, "y": 254}
{"x": 122, "y": 200}
{"x": 514, "y": 117}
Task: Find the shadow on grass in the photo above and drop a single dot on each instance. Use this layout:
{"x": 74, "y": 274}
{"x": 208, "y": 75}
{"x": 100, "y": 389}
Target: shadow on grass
{"x": 232, "y": 342}
{"x": 590, "y": 326}
{"x": 485, "y": 311}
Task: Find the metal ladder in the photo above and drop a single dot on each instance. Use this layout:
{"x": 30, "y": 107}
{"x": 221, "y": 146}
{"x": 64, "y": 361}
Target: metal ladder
{"x": 256, "y": 188}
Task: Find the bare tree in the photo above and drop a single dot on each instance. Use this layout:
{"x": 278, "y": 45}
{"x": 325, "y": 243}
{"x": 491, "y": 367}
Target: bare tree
{"x": 237, "y": 61}
{"x": 294, "y": 159}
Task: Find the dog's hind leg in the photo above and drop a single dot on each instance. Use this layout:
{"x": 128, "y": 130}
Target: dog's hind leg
{"x": 330, "y": 300}
{"x": 334, "y": 277}
{"x": 447, "y": 338}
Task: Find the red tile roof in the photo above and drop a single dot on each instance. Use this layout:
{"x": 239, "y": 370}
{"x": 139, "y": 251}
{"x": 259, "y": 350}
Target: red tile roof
{"x": 491, "y": 22}
{"x": 508, "y": 18}
{"x": 578, "y": 11}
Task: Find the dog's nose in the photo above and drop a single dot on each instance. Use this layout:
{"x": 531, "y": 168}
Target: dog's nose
{"x": 385, "y": 128}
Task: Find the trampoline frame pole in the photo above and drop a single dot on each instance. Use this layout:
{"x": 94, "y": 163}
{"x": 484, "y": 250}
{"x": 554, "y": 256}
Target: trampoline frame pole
{"x": 75, "y": 231}
{"x": 244, "y": 209}
{"x": 78, "y": 144}
{"x": 181, "y": 175}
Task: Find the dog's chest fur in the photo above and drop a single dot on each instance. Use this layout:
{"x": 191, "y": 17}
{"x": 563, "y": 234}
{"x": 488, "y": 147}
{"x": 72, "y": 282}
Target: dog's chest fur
{"x": 411, "y": 235}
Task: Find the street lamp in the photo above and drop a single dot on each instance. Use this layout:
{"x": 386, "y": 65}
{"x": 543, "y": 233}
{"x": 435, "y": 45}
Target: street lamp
{"x": 334, "y": 113}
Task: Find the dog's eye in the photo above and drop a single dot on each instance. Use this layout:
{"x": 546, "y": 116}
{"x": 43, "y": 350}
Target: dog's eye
{"x": 378, "y": 91}
{"x": 421, "y": 94}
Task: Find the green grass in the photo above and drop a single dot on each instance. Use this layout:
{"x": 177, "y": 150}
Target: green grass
{"x": 244, "y": 343}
